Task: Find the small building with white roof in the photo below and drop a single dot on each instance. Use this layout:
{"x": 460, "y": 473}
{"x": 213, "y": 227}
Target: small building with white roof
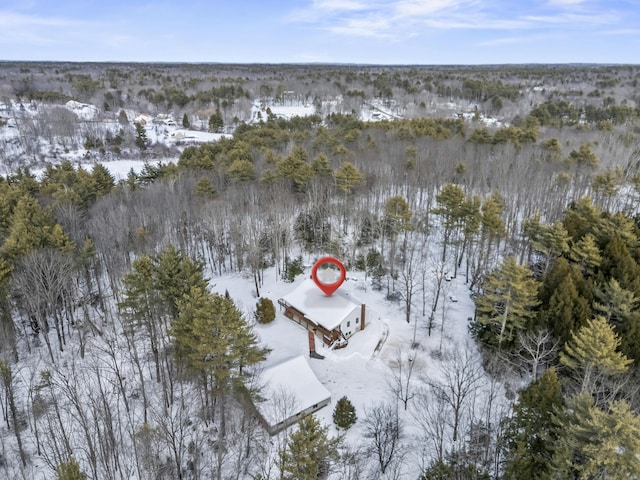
{"x": 291, "y": 391}
{"x": 332, "y": 318}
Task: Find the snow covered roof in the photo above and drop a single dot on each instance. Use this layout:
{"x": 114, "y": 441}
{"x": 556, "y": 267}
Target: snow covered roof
{"x": 326, "y": 311}
{"x": 291, "y": 387}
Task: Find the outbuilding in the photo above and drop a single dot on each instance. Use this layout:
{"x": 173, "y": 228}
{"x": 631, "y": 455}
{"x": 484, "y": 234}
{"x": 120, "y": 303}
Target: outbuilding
{"x": 291, "y": 391}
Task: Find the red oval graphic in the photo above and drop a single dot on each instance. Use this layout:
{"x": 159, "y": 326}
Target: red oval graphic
{"x": 328, "y": 287}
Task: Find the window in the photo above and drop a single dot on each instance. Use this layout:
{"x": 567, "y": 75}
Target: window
{"x": 349, "y": 323}
{"x": 357, "y": 320}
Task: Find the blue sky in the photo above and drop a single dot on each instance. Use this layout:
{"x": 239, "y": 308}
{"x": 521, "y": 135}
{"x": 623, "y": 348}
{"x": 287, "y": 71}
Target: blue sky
{"x": 332, "y": 31}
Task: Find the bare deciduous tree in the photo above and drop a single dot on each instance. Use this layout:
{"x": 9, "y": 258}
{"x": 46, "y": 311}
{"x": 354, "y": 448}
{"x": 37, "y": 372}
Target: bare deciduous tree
{"x": 538, "y": 348}
{"x": 384, "y": 429}
{"x": 462, "y": 376}
{"x": 44, "y": 283}
{"x": 402, "y": 369}
{"x": 430, "y": 414}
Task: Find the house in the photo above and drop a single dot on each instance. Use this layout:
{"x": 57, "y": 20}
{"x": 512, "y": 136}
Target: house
{"x": 143, "y": 119}
{"x": 332, "y": 318}
{"x": 291, "y": 391}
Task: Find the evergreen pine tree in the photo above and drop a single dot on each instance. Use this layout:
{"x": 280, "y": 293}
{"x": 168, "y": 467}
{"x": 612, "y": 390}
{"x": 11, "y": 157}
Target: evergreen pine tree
{"x": 397, "y": 215}
{"x": 438, "y": 470}
{"x": 587, "y": 254}
{"x": 552, "y": 241}
{"x": 491, "y": 218}
{"x": 216, "y": 123}
{"x": 449, "y": 202}
{"x": 32, "y": 228}
{"x": 321, "y": 166}
{"x": 506, "y": 305}
{"x": 122, "y": 118}
{"x": 295, "y": 169}
{"x": 204, "y": 188}
{"x": 618, "y": 263}
{"x": 175, "y": 274}
{"x": 530, "y": 433}
{"x": 564, "y": 308}
{"x": 70, "y": 471}
{"x": 103, "y": 179}
{"x": 592, "y": 354}
{"x": 141, "y": 136}
{"x": 348, "y": 177}
{"x": 292, "y": 268}
{"x": 214, "y": 338}
{"x": 241, "y": 170}
{"x": 185, "y": 121}
{"x": 309, "y": 452}
{"x": 581, "y": 218}
{"x": 597, "y": 443}
{"x": 344, "y": 415}
{"x": 143, "y": 305}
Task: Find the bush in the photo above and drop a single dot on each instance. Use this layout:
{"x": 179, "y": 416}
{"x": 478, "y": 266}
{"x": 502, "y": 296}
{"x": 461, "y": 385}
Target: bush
{"x": 265, "y": 311}
{"x": 344, "y": 415}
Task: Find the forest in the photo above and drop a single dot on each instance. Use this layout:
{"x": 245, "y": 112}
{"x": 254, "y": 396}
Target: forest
{"x": 520, "y": 183}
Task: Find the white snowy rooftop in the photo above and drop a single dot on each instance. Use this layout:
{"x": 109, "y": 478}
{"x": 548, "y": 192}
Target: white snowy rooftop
{"x": 291, "y": 387}
{"x": 326, "y": 311}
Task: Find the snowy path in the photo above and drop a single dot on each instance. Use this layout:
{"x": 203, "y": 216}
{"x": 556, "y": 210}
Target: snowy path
{"x": 383, "y": 339}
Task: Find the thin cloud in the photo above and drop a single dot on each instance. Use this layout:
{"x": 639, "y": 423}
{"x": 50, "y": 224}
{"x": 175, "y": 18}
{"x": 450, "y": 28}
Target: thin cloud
{"x": 403, "y": 18}
{"x": 371, "y": 26}
{"x": 339, "y": 5}
{"x": 516, "y": 40}
{"x": 41, "y": 32}
{"x": 322, "y": 9}
{"x": 565, "y": 3}
{"x": 580, "y": 20}
{"x": 410, "y": 8}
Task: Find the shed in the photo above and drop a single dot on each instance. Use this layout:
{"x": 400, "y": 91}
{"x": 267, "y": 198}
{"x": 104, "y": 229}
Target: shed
{"x": 291, "y": 392}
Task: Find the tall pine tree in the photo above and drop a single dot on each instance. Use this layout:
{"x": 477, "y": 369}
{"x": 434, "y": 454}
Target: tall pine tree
{"x": 309, "y": 452}
{"x": 530, "y": 433}
{"x": 592, "y": 355}
{"x": 506, "y": 305}
{"x": 597, "y": 443}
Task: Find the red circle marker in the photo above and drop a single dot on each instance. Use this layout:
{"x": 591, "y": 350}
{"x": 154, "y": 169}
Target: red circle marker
{"x": 328, "y": 288}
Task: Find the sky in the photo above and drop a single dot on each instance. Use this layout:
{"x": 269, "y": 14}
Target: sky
{"x": 387, "y": 32}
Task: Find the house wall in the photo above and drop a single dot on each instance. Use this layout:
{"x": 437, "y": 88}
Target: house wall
{"x": 351, "y": 323}
{"x": 274, "y": 429}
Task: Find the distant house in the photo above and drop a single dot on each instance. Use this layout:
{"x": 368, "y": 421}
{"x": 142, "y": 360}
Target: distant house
{"x": 291, "y": 391}
{"x": 332, "y": 318}
{"x": 143, "y": 119}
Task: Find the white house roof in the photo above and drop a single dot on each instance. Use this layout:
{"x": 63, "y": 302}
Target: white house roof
{"x": 291, "y": 387}
{"x": 326, "y": 311}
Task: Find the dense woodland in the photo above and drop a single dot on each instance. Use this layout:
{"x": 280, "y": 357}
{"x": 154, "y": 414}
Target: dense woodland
{"x": 113, "y": 348}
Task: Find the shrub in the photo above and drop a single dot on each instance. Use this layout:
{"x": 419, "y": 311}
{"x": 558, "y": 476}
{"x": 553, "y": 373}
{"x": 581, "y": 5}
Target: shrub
{"x": 265, "y": 311}
{"x": 344, "y": 415}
